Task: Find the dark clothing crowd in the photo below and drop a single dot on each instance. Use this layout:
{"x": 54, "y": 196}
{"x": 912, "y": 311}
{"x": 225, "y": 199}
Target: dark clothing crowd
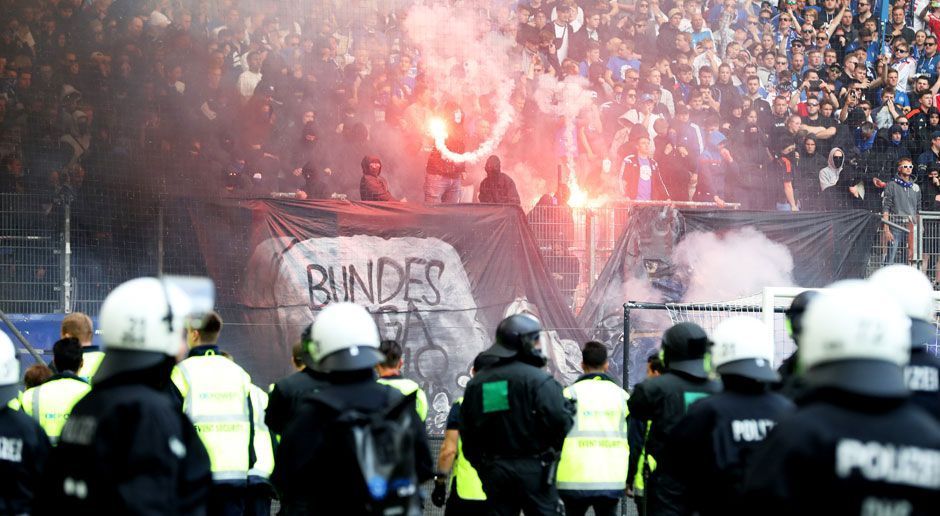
{"x": 798, "y": 105}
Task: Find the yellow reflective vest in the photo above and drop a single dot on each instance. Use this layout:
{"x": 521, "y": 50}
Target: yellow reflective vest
{"x": 216, "y": 396}
{"x": 263, "y": 445}
{"x": 469, "y": 486}
{"x": 50, "y": 403}
{"x": 646, "y": 464}
{"x": 595, "y": 454}
{"x": 406, "y": 387}
{"x": 91, "y": 361}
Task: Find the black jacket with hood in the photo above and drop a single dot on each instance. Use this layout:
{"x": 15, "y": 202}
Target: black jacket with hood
{"x": 373, "y": 187}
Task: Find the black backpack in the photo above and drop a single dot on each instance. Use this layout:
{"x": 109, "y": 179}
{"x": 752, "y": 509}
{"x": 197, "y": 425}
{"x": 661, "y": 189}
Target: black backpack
{"x": 382, "y": 443}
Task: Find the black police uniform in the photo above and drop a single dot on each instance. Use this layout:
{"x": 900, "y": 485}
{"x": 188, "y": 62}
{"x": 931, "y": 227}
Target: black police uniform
{"x": 285, "y": 398}
{"x": 127, "y": 449}
{"x": 708, "y": 449}
{"x": 663, "y": 401}
{"x": 24, "y": 448}
{"x": 659, "y": 403}
{"x": 314, "y": 477}
{"x": 922, "y": 374}
{"x": 514, "y": 421}
{"x": 791, "y": 383}
{"x": 844, "y": 453}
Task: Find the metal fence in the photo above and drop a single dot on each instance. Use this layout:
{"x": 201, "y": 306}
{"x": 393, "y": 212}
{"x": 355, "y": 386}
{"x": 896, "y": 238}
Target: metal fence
{"x": 57, "y": 257}
{"x": 897, "y": 241}
{"x": 575, "y": 243}
{"x": 31, "y": 254}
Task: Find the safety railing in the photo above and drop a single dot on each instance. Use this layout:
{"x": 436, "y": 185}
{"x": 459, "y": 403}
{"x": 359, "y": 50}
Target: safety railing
{"x": 30, "y": 254}
{"x": 57, "y": 259}
{"x": 897, "y": 240}
{"x": 576, "y": 242}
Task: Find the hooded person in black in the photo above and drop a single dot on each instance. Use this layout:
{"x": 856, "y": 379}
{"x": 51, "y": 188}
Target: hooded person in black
{"x": 662, "y": 401}
{"x": 806, "y": 179}
{"x": 373, "y": 187}
{"x": 752, "y": 181}
{"x": 497, "y": 187}
{"x": 889, "y": 148}
{"x": 305, "y": 166}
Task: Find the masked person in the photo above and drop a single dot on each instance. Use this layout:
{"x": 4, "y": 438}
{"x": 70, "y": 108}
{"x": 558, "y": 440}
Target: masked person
{"x": 829, "y": 177}
{"x": 497, "y": 187}
{"x": 443, "y": 176}
{"x": 373, "y": 187}
{"x": 856, "y": 444}
{"x": 911, "y": 289}
{"x": 662, "y": 401}
{"x": 514, "y": 419}
{"x": 707, "y": 452}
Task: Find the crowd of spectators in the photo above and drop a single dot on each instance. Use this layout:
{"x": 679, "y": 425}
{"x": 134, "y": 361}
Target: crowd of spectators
{"x": 804, "y": 104}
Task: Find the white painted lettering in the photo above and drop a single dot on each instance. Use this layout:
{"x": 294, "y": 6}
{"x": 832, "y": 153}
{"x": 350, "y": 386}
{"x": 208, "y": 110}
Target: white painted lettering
{"x": 11, "y": 449}
{"x": 922, "y": 378}
{"x": 877, "y": 462}
{"x": 751, "y": 430}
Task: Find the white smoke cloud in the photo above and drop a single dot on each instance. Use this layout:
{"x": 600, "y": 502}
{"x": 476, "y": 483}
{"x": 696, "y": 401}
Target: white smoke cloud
{"x": 736, "y": 264}
{"x": 503, "y": 120}
{"x": 464, "y": 59}
{"x": 566, "y": 98}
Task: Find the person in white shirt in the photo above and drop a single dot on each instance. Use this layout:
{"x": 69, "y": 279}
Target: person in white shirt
{"x": 249, "y": 79}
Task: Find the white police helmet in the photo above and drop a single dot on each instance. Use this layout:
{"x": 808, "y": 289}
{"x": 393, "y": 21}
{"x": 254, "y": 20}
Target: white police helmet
{"x": 741, "y": 346}
{"x": 912, "y": 290}
{"x": 9, "y": 370}
{"x": 141, "y": 323}
{"x": 343, "y": 338}
{"x": 856, "y": 338}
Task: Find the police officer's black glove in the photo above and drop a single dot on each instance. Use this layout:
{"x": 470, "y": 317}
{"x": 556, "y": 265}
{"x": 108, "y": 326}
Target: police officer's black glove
{"x": 440, "y": 491}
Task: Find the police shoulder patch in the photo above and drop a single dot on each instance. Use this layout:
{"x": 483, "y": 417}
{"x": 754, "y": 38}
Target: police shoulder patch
{"x": 495, "y": 396}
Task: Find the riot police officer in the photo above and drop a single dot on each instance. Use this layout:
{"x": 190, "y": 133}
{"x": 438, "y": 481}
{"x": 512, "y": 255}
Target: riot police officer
{"x": 288, "y": 392}
{"x": 705, "y": 456}
{"x": 24, "y": 446}
{"x": 791, "y": 383}
{"x": 318, "y": 468}
{"x": 856, "y": 444}
{"x": 126, "y": 448}
{"x": 912, "y": 290}
{"x": 662, "y": 401}
{"x": 514, "y": 419}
